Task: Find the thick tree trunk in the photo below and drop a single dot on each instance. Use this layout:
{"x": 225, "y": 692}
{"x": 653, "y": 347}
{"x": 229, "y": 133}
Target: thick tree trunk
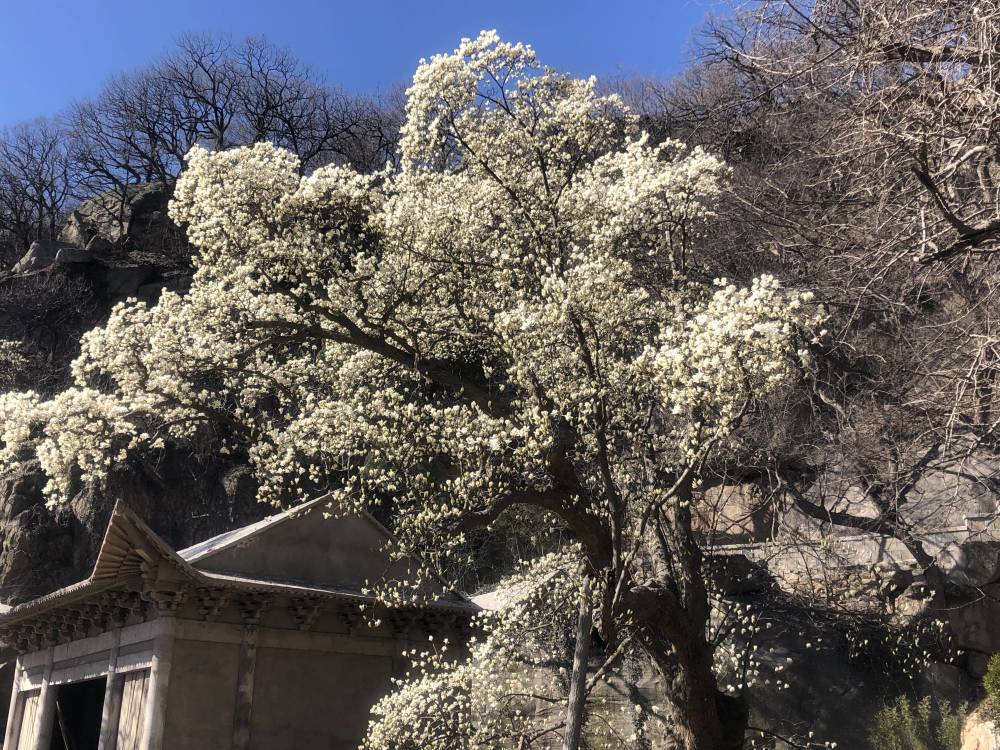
{"x": 706, "y": 719}
{"x": 709, "y": 718}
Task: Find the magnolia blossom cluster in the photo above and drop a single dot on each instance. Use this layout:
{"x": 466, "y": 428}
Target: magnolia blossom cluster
{"x": 729, "y": 348}
{"x": 506, "y": 689}
{"x": 507, "y": 320}
{"x": 85, "y": 432}
{"x": 904, "y": 650}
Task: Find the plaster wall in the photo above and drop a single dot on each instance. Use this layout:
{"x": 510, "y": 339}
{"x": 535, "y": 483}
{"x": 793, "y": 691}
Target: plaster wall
{"x": 314, "y": 699}
{"x": 201, "y": 695}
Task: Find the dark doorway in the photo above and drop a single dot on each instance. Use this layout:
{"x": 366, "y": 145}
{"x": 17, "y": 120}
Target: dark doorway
{"x": 77, "y": 723}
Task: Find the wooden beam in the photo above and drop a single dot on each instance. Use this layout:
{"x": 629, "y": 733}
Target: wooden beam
{"x": 13, "y": 720}
{"x": 112, "y": 699}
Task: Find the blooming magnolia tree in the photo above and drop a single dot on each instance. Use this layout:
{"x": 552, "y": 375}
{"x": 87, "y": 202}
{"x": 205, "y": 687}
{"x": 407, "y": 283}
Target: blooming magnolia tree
{"x": 516, "y": 317}
{"x": 510, "y": 689}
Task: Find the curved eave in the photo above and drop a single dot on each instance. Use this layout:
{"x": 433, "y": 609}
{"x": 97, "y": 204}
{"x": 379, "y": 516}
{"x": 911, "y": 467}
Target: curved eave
{"x": 63, "y": 597}
{"x": 130, "y": 549}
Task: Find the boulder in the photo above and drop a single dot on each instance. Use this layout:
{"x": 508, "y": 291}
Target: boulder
{"x": 125, "y": 281}
{"x": 150, "y": 200}
{"x": 101, "y": 216}
{"x": 979, "y": 733}
{"x": 914, "y": 600}
{"x": 113, "y": 215}
{"x": 41, "y": 254}
{"x": 137, "y": 219}
{"x": 972, "y": 563}
{"x": 73, "y": 254}
{"x": 974, "y": 623}
{"x": 99, "y": 246}
{"x": 74, "y": 231}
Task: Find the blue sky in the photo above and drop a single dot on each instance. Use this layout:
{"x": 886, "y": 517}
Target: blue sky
{"x": 55, "y": 51}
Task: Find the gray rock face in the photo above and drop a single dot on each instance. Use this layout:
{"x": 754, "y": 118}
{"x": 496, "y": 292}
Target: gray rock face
{"x": 73, "y": 254}
{"x": 946, "y": 681}
{"x": 40, "y": 255}
{"x": 976, "y": 623}
{"x": 826, "y": 697}
{"x": 108, "y": 250}
{"x": 973, "y": 563}
{"x": 36, "y": 543}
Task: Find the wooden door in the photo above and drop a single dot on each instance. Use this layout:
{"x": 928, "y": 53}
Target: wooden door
{"x": 29, "y": 720}
{"x": 132, "y": 716}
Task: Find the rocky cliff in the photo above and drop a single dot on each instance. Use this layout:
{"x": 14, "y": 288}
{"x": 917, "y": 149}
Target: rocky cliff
{"x": 111, "y": 248}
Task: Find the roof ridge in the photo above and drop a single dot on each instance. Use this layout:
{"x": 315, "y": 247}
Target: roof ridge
{"x": 210, "y": 546}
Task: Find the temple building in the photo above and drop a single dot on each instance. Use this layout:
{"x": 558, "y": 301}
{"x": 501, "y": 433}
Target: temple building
{"x": 260, "y": 638}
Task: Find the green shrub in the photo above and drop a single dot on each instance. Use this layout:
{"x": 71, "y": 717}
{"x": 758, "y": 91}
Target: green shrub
{"x": 991, "y": 680}
{"x": 991, "y": 684}
{"x": 922, "y": 725}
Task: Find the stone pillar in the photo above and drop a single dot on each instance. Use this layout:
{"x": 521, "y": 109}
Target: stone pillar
{"x": 250, "y": 609}
{"x": 112, "y": 699}
{"x": 13, "y": 719}
{"x": 244, "y": 688}
{"x": 159, "y": 683}
{"x": 46, "y": 709}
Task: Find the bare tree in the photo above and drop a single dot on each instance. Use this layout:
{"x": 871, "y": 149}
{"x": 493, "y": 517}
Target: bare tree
{"x": 863, "y": 142}
{"x": 204, "y": 78}
{"x": 34, "y": 182}
{"x": 211, "y": 92}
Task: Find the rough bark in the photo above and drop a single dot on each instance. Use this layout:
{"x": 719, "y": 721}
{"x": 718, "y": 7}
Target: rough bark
{"x": 706, "y": 719}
